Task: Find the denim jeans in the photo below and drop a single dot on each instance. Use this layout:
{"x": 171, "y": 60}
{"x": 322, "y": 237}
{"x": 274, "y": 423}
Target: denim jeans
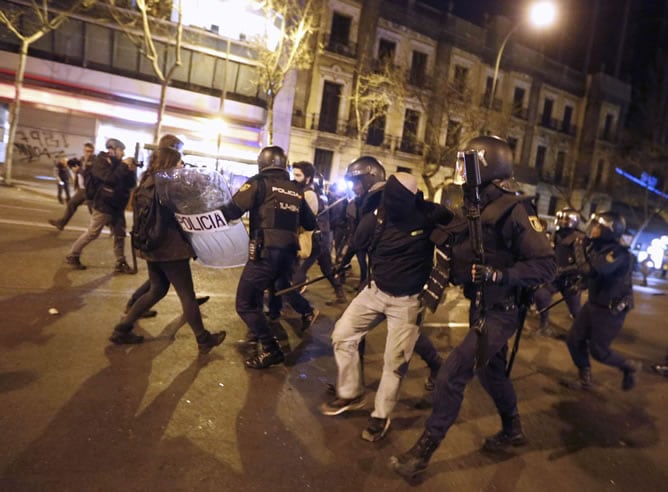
{"x": 97, "y": 222}
{"x": 366, "y": 310}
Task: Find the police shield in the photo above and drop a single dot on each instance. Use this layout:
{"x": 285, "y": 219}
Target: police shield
{"x": 195, "y": 196}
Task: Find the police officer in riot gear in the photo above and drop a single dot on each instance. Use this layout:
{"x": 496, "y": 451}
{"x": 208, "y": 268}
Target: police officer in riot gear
{"x": 367, "y": 176}
{"x": 518, "y": 255}
{"x": 277, "y": 210}
{"x": 568, "y": 278}
{"x": 607, "y": 266}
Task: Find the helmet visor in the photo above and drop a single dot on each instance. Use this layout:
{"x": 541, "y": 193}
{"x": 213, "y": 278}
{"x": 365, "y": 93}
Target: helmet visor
{"x": 598, "y": 226}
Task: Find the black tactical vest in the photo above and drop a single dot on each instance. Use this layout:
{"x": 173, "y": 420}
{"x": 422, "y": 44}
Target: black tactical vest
{"x": 321, "y": 219}
{"x": 563, "y": 248}
{"x": 276, "y": 218}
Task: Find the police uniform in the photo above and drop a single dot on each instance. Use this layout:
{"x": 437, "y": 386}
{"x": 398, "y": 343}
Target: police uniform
{"x": 277, "y": 209}
{"x": 608, "y": 268}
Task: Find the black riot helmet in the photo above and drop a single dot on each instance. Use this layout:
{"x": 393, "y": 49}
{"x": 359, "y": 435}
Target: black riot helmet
{"x": 368, "y": 169}
{"x": 567, "y": 218}
{"x": 606, "y": 226}
{"x": 272, "y": 157}
{"x": 495, "y": 157}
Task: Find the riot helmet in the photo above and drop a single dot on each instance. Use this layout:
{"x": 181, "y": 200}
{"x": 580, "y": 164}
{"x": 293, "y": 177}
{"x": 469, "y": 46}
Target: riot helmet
{"x": 567, "y": 218}
{"x": 495, "y": 157}
{"x": 606, "y": 226}
{"x": 367, "y": 169}
{"x": 272, "y": 157}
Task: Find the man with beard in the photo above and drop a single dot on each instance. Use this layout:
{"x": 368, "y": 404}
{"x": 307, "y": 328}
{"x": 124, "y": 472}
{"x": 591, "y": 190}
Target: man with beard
{"x": 397, "y": 239}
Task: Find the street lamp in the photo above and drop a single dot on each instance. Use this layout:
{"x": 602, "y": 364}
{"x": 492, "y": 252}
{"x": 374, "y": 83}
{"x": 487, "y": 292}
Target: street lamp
{"x": 541, "y": 14}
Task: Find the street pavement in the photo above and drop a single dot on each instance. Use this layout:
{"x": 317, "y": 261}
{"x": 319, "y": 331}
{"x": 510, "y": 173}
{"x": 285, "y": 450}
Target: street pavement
{"x": 81, "y": 414}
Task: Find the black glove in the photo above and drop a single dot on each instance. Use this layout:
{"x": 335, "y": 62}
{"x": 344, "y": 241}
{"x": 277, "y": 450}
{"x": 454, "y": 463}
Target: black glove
{"x": 485, "y": 274}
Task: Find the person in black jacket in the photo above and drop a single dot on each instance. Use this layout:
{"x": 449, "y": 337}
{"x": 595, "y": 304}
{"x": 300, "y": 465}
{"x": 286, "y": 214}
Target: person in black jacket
{"x": 168, "y": 264}
{"x": 81, "y": 171}
{"x": 607, "y": 266}
{"x": 397, "y": 239}
{"x": 517, "y": 256}
{"x": 114, "y": 179}
{"x": 277, "y": 210}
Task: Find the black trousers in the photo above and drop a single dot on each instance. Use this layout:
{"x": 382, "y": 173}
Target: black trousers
{"x": 273, "y": 269}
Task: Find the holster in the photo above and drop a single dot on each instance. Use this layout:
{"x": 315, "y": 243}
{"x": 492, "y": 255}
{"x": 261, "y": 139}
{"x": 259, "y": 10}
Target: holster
{"x": 439, "y": 277}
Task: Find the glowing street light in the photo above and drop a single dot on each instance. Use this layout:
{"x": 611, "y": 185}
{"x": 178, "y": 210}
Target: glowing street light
{"x": 541, "y": 14}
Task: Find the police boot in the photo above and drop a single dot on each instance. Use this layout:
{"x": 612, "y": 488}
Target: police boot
{"x": 630, "y": 370}
{"x": 510, "y": 435}
{"x": 583, "y": 382}
{"x": 416, "y": 459}
{"x": 268, "y": 356}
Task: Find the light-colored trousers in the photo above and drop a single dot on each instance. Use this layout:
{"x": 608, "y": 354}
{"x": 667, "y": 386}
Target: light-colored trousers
{"x": 97, "y": 222}
{"x": 366, "y": 311}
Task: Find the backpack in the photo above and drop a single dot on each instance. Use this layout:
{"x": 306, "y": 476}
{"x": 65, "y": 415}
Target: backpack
{"x": 149, "y": 220}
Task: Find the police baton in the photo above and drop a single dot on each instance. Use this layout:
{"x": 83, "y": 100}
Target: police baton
{"x": 302, "y": 284}
{"x": 329, "y": 207}
{"x": 558, "y": 301}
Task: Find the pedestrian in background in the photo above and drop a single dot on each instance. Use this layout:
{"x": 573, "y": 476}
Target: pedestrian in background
{"x": 168, "y": 264}
{"x": 81, "y": 170}
{"x": 112, "y": 182}
{"x": 63, "y": 177}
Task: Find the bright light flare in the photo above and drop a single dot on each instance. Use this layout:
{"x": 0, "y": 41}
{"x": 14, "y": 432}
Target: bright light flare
{"x": 542, "y": 14}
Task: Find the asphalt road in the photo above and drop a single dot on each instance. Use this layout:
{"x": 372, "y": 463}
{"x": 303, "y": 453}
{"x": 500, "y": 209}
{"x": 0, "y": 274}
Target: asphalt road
{"x": 80, "y": 414}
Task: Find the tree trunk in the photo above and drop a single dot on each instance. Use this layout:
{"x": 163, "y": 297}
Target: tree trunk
{"x": 270, "y": 119}
{"x": 161, "y": 111}
{"x": 15, "y": 111}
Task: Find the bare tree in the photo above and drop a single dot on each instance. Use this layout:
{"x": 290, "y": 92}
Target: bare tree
{"x": 374, "y": 90}
{"x": 142, "y": 31}
{"x": 296, "y": 21}
{"x": 29, "y": 24}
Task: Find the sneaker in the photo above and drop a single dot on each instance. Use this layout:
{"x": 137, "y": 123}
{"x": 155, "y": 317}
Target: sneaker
{"x": 202, "y": 300}
{"x": 338, "y": 405}
{"x": 630, "y": 374}
{"x": 123, "y": 267}
{"x": 309, "y": 319}
{"x": 75, "y": 262}
{"x": 265, "y": 358}
{"x": 212, "y": 340}
{"x": 125, "y": 338}
{"x": 376, "y": 429}
{"x": 56, "y": 224}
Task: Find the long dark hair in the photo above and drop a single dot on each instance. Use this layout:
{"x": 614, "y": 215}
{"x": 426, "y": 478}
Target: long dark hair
{"x": 162, "y": 159}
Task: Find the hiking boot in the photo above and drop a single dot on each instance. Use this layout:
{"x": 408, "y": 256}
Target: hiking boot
{"x": 309, "y": 319}
{"x": 630, "y": 369}
{"x": 75, "y": 262}
{"x": 123, "y": 267}
{"x": 376, "y": 429}
{"x": 57, "y": 224}
{"x": 265, "y": 358}
{"x": 210, "y": 340}
{"x": 510, "y": 435}
{"x": 338, "y": 405}
{"x": 583, "y": 382}
{"x": 416, "y": 459}
{"x": 125, "y": 338}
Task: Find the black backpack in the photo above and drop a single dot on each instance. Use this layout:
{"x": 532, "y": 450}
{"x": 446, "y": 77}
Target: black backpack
{"x": 149, "y": 221}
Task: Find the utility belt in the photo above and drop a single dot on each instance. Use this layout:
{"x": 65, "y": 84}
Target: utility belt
{"x": 504, "y": 305}
{"x": 618, "y": 306}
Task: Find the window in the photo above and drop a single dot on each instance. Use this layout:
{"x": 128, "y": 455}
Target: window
{"x": 487, "y": 96}
{"x": 568, "y": 116}
{"x": 518, "y": 102}
{"x": 409, "y": 134}
{"x": 607, "y": 127}
{"x": 540, "y": 160}
{"x": 559, "y": 167}
{"x": 376, "y": 133}
{"x": 125, "y": 53}
{"x": 401, "y": 169}
{"x": 322, "y": 161}
{"x": 98, "y": 45}
{"x": 512, "y": 142}
{"x": 460, "y": 80}
{"x": 418, "y": 68}
{"x": 202, "y": 69}
{"x": 386, "y": 50}
{"x": 552, "y": 207}
{"x": 546, "y": 120}
{"x": 340, "y": 30}
{"x": 329, "y": 108}
{"x": 599, "y": 172}
{"x": 454, "y": 132}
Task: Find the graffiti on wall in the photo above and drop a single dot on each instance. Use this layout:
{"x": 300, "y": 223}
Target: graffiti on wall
{"x": 33, "y": 144}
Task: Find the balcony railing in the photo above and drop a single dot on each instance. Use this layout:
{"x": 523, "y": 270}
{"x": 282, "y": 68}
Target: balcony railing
{"x": 520, "y": 112}
{"x": 497, "y": 103}
{"x": 340, "y": 46}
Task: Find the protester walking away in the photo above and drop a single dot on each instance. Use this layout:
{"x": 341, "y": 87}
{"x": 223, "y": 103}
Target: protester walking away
{"x": 63, "y": 177}
{"x": 277, "y": 211}
{"x": 167, "y": 141}
{"x": 397, "y": 239}
{"x": 607, "y": 266}
{"x": 569, "y": 280}
{"x": 367, "y": 176}
{"x": 81, "y": 168}
{"x": 112, "y": 181}
{"x": 517, "y": 255}
{"x": 321, "y": 250}
{"x": 167, "y": 259}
